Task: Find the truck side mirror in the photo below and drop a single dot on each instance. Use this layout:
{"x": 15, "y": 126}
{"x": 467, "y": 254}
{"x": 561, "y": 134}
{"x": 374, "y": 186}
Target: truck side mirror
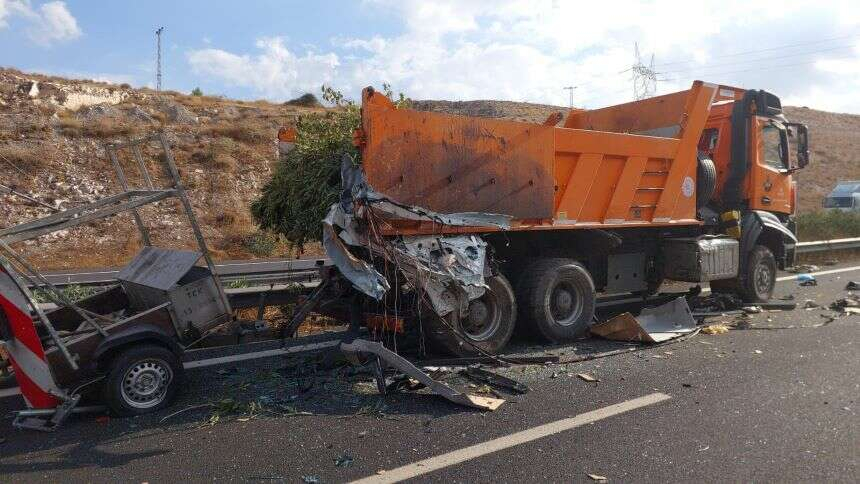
{"x": 801, "y": 135}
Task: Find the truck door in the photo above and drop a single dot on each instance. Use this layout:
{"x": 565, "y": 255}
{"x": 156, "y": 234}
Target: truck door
{"x": 770, "y": 183}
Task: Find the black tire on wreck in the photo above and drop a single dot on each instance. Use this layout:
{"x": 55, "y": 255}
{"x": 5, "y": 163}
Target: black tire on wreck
{"x": 556, "y": 299}
{"x": 486, "y": 328}
{"x": 142, "y": 379}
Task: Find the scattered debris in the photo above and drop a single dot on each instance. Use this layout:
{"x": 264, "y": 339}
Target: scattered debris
{"x": 343, "y": 460}
{"x": 653, "y": 325}
{"x": 715, "y": 329}
{"x": 587, "y": 377}
{"x": 752, "y": 309}
{"x": 193, "y": 407}
{"x": 852, "y": 286}
{"x": 311, "y": 479}
{"x": 359, "y": 347}
{"x": 803, "y": 268}
{"x": 806, "y": 280}
{"x": 810, "y": 304}
{"x": 758, "y": 352}
{"x": 596, "y": 477}
{"x": 490, "y": 378}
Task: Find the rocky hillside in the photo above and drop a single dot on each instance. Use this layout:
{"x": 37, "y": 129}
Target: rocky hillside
{"x": 52, "y": 133}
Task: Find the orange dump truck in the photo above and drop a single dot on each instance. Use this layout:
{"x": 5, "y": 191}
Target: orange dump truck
{"x": 692, "y": 186}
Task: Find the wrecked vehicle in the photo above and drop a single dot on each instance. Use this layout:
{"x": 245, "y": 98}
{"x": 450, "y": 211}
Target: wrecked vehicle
{"x": 125, "y": 342}
{"x": 464, "y": 227}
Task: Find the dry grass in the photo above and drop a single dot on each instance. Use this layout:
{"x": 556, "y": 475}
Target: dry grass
{"x": 27, "y": 157}
{"x": 245, "y": 131}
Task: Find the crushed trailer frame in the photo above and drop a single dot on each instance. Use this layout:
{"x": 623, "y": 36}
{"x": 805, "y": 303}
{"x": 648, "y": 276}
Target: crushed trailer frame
{"x": 77, "y": 344}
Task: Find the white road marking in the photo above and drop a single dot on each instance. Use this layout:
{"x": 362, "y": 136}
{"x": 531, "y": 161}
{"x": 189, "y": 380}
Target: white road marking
{"x": 819, "y": 273}
{"x": 472, "y": 452}
{"x": 258, "y": 354}
{"x": 793, "y": 277}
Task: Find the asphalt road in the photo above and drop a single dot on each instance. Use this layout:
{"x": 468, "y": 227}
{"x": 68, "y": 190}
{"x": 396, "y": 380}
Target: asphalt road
{"x": 776, "y": 402}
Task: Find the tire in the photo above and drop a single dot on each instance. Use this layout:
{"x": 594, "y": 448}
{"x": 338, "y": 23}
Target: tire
{"x": 759, "y": 277}
{"x": 557, "y": 299}
{"x": 488, "y": 325}
{"x": 142, "y": 379}
{"x": 706, "y": 181}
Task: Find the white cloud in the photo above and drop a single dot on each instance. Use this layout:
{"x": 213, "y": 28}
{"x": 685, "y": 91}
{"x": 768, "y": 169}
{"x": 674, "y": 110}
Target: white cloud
{"x": 48, "y": 23}
{"x": 528, "y": 50}
{"x": 275, "y": 71}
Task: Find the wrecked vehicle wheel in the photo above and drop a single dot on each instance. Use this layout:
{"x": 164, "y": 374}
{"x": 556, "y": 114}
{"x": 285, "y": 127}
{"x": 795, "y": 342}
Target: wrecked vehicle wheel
{"x": 142, "y": 379}
{"x": 488, "y": 324}
{"x": 557, "y": 299}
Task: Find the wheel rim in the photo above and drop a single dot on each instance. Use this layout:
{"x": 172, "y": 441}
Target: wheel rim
{"x": 762, "y": 279}
{"x": 565, "y": 303}
{"x": 145, "y": 383}
{"x": 483, "y": 319}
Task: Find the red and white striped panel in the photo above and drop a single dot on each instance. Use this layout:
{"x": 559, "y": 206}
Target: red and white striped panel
{"x": 25, "y": 349}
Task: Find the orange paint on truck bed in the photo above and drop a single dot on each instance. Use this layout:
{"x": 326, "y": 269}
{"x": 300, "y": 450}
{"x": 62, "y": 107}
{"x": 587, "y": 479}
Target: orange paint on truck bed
{"x": 543, "y": 176}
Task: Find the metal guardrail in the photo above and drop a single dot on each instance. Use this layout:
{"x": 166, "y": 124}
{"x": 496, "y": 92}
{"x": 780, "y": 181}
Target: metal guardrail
{"x": 298, "y": 270}
{"x": 825, "y": 245}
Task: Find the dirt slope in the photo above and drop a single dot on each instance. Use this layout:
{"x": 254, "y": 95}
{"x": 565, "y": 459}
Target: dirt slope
{"x": 52, "y": 133}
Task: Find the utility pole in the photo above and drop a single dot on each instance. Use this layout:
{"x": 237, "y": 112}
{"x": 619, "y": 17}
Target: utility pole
{"x": 158, "y": 59}
{"x": 644, "y": 77}
{"x": 570, "y": 89}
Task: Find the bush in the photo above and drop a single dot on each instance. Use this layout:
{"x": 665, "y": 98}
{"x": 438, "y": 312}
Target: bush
{"x": 828, "y": 224}
{"x": 261, "y": 244}
{"x": 306, "y": 100}
{"x": 305, "y": 185}
{"x": 196, "y": 92}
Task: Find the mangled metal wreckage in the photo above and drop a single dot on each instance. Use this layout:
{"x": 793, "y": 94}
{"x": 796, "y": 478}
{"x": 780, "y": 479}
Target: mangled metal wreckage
{"x": 445, "y": 276}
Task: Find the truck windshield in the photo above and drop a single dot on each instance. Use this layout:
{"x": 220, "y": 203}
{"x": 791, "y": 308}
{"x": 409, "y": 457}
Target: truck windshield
{"x": 772, "y": 141}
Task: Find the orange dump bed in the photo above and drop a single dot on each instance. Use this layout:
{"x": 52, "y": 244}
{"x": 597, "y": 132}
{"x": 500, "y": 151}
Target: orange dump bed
{"x": 632, "y": 164}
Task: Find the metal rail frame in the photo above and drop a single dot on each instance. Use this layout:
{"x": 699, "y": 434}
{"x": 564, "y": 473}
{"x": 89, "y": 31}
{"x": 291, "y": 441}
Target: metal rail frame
{"x": 128, "y": 199}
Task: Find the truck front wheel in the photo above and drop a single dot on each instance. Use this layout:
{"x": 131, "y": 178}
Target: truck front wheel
{"x": 557, "y": 299}
{"x": 757, "y": 286}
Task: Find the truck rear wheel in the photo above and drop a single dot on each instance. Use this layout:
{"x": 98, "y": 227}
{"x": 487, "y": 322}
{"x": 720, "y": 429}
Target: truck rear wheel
{"x": 557, "y": 299}
{"x": 488, "y": 325}
{"x": 142, "y": 379}
{"x": 757, "y": 286}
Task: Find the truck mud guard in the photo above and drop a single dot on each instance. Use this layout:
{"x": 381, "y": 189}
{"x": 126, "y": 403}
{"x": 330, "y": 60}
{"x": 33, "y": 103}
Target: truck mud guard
{"x": 754, "y": 224}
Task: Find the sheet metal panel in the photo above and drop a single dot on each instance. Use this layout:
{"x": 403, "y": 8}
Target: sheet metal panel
{"x": 159, "y": 268}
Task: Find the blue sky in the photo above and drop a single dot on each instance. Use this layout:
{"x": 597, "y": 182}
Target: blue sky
{"x": 507, "y": 49}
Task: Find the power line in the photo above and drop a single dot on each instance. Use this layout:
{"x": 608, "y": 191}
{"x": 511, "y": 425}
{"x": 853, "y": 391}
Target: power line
{"x": 787, "y": 56}
{"x": 764, "y": 68}
{"x": 756, "y": 51}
